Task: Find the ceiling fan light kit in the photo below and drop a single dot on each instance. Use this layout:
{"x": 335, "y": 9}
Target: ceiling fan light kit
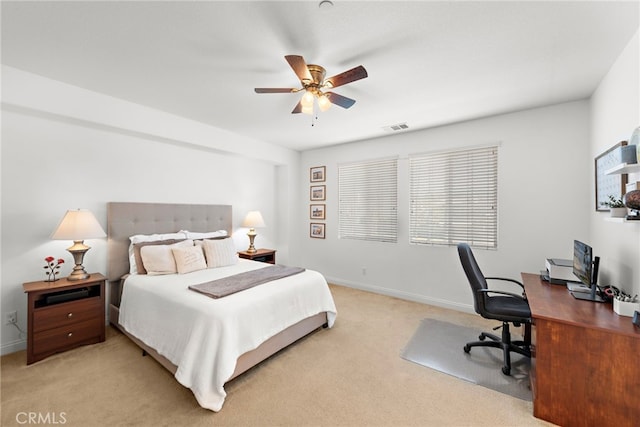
{"x": 312, "y": 79}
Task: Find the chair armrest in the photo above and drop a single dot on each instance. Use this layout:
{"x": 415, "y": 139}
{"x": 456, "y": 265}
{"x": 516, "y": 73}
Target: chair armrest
{"x": 486, "y": 291}
{"x": 506, "y": 280}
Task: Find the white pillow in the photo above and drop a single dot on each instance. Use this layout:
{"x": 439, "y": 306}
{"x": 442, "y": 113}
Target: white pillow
{"x": 158, "y": 259}
{"x": 189, "y": 259}
{"x": 220, "y": 253}
{"x": 139, "y": 238}
{"x": 193, "y": 235}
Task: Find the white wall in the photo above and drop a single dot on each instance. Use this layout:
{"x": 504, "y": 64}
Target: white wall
{"x": 86, "y": 149}
{"x": 64, "y": 147}
{"x": 543, "y": 196}
{"x": 615, "y": 113}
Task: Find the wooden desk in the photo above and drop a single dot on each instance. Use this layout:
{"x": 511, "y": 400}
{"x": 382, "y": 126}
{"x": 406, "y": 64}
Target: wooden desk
{"x": 585, "y": 366}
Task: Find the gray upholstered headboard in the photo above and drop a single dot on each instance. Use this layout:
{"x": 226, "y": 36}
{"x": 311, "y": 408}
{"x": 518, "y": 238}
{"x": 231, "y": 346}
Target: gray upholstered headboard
{"x": 127, "y": 219}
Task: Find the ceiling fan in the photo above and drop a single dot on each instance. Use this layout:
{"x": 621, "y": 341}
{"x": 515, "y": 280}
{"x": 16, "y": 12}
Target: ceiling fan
{"x": 313, "y": 83}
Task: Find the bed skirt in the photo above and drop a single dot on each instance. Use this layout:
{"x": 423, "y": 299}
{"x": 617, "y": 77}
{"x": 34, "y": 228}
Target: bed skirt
{"x": 248, "y": 359}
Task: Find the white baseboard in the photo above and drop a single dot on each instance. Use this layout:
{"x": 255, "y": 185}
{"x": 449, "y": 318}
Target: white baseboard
{"x": 466, "y": 308}
{"x": 13, "y": 346}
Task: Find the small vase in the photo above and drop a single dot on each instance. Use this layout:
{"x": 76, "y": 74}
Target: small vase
{"x": 618, "y": 212}
{"x": 51, "y": 277}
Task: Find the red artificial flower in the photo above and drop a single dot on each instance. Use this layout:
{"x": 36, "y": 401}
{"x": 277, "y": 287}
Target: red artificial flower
{"x": 52, "y": 268}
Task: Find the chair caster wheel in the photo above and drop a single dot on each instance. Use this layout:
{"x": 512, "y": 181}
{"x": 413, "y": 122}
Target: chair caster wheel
{"x": 467, "y": 349}
{"x": 482, "y": 337}
{"x": 506, "y": 370}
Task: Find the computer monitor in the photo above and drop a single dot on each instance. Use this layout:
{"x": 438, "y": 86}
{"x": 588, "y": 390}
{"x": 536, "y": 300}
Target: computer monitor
{"x": 585, "y": 268}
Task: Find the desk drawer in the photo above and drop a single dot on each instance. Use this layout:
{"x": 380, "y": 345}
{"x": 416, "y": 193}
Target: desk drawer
{"x": 65, "y": 314}
{"x": 66, "y": 337}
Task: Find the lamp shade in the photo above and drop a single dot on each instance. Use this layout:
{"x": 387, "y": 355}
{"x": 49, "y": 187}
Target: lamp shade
{"x": 324, "y": 103}
{"x": 253, "y": 220}
{"x": 78, "y": 224}
{"x": 307, "y": 99}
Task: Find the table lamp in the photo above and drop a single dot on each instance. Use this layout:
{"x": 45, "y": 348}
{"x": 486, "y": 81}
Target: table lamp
{"x": 78, "y": 225}
{"x": 253, "y": 220}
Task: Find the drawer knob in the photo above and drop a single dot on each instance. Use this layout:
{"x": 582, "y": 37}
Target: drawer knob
{"x": 70, "y": 334}
{"x": 70, "y": 315}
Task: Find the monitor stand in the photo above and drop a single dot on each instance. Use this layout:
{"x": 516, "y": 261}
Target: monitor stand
{"x": 588, "y": 296}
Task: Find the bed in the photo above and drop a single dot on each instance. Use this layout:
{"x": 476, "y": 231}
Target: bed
{"x": 205, "y": 342}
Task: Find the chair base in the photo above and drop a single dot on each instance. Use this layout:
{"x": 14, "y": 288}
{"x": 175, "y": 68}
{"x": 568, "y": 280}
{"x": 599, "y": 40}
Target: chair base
{"x": 519, "y": 346}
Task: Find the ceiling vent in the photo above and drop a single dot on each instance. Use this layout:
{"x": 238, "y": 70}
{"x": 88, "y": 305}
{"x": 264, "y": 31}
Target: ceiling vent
{"x": 395, "y": 128}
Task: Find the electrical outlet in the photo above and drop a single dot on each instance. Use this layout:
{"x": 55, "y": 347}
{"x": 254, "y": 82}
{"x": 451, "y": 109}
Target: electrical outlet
{"x": 12, "y": 317}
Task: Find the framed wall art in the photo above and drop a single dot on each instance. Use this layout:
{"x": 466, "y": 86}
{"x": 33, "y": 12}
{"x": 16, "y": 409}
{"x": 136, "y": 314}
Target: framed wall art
{"x": 317, "y": 211}
{"x": 317, "y": 174}
{"x": 607, "y": 185}
{"x": 317, "y": 230}
{"x": 317, "y": 192}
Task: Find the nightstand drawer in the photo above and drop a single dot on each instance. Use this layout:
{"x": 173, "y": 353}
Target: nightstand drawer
{"x": 67, "y": 313}
{"x": 66, "y": 336}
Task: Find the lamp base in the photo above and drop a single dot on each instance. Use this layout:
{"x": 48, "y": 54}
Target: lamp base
{"x": 79, "y": 274}
{"x": 78, "y": 250}
{"x": 252, "y": 235}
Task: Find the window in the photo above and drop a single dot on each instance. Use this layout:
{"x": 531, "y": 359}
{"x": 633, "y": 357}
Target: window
{"x": 367, "y": 194}
{"x": 454, "y": 197}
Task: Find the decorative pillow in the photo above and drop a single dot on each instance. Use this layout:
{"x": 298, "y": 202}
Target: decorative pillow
{"x": 139, "y": 238}
{"x": 189, "y": 259}
{"x": 220, "y": 253}
{"x": 208, "y": 235}
{"x": 158, "y": 259}
{"x": 138, "y": 257}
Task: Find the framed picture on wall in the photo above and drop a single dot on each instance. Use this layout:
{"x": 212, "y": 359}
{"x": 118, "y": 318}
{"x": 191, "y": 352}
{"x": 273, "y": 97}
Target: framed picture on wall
{"x": 316, "y": 231}
{"x": 316, "y": 174}
{"x": 609, "y": 185}
{"x": 317, "y": 211}
{"x": 317, "y": 192}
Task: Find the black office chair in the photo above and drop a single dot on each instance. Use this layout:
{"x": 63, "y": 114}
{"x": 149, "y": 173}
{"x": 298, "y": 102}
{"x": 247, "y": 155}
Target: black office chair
{"x": 499, "y": 305}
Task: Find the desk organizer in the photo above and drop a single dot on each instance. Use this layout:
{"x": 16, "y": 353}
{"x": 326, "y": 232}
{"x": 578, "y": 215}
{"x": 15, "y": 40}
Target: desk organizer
{"x": 625, "y": 308}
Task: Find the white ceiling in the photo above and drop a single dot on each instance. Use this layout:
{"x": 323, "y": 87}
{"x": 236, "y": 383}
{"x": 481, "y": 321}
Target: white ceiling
{"x": 429, "y": 63}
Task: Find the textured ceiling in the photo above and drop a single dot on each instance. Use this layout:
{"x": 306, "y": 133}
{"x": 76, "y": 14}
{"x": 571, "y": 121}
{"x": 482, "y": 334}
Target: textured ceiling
{"x": 429, "y": 63}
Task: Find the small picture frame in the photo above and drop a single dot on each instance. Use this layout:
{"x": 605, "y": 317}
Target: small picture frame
{"x": 317, "y": 192}
{"x": 317, "y": 174}
{"x": 316, "y": 230}
{"x": 317, "y": 211}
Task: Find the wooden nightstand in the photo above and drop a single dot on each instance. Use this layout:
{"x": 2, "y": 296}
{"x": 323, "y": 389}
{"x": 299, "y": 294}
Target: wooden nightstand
{"x": 64, "y": 314}
{"x": 262, "y": 255}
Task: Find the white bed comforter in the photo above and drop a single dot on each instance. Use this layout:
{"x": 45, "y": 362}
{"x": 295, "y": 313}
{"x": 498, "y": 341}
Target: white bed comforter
{"x": 203, "y": 336}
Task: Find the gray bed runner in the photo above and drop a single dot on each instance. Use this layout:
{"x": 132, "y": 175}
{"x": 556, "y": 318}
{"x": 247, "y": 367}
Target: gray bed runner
{"x": 239, "y": 282}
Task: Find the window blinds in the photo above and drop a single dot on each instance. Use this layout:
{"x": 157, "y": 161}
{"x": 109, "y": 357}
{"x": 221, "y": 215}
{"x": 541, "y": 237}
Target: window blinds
{"x": 368, "y": 198}
{"x": 454, "y": 197}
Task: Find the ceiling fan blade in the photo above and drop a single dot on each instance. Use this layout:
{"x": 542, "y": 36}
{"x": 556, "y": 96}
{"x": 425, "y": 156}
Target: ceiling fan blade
{"x": 273, "y": 90}
{"x": 340, "y": 100}
{"x": 298, "y": 108}
{"x": 299, "y": 67}
{"x": 348, "y": 76}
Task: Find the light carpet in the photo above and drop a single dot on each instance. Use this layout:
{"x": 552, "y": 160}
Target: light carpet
{"x": 439, "y": 345}
{"x": 349, "y": 375}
